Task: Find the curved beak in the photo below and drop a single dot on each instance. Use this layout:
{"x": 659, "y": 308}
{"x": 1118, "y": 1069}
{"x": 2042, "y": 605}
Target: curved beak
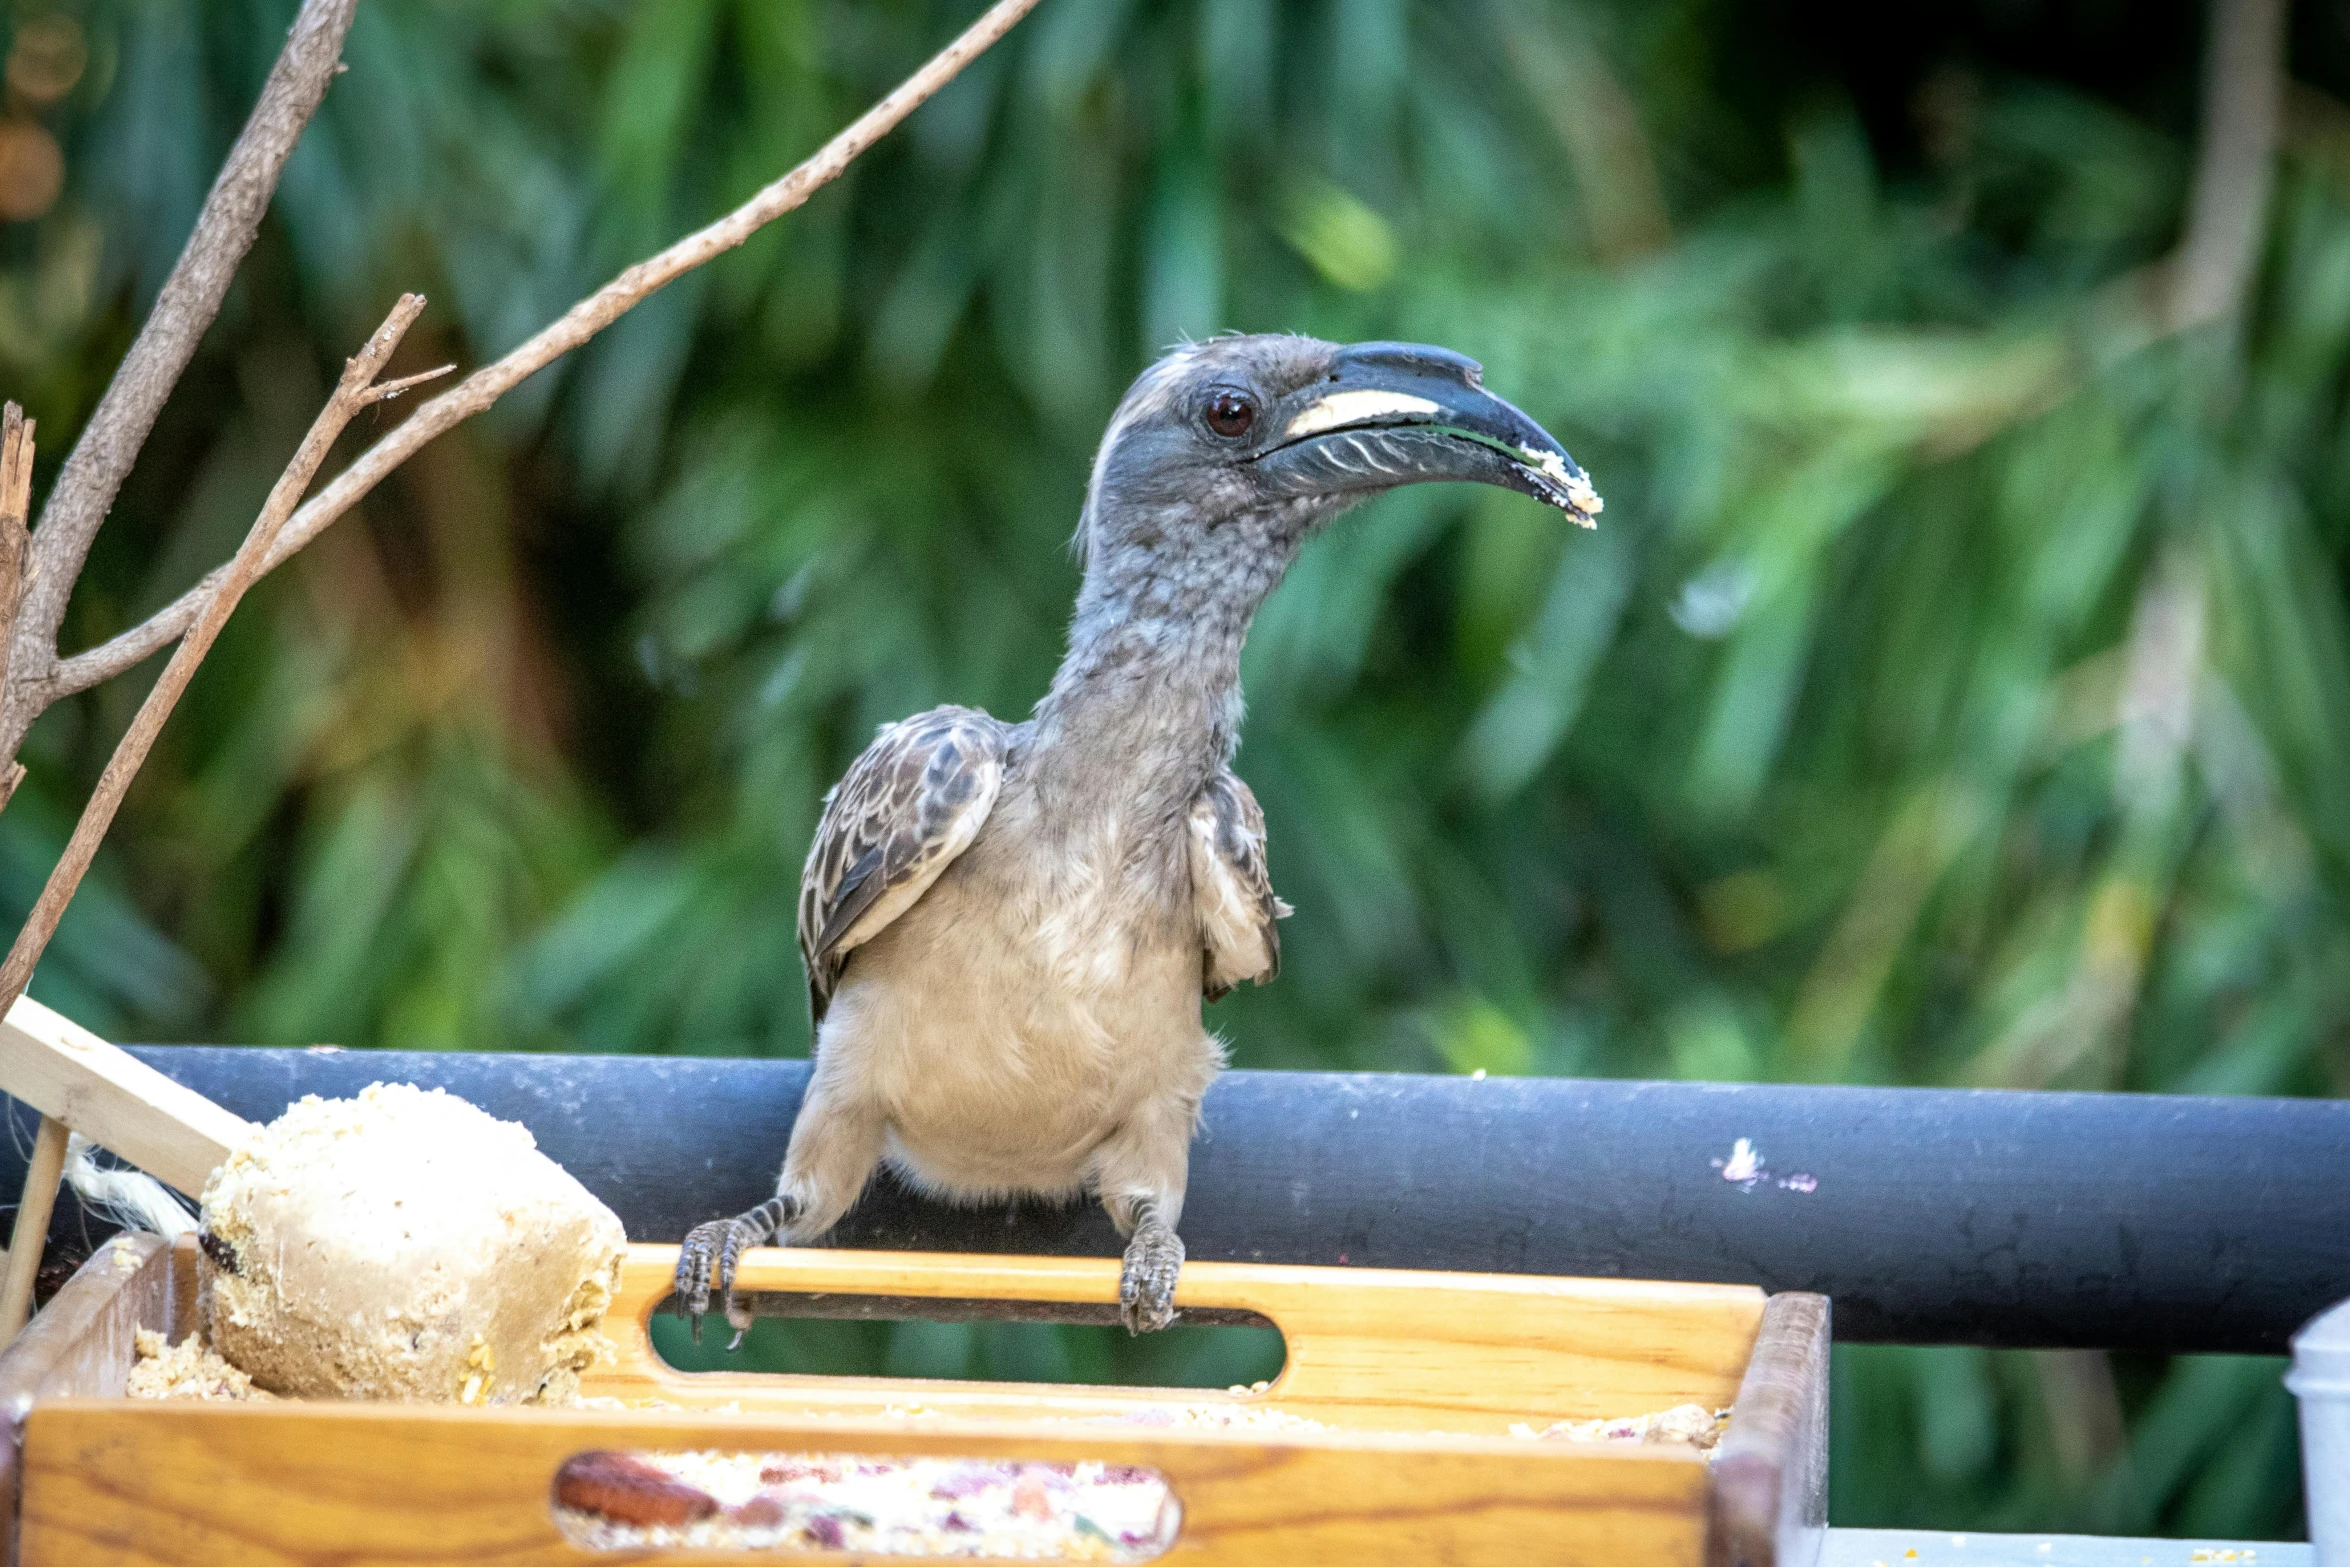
{"x": 1391, "y": 414}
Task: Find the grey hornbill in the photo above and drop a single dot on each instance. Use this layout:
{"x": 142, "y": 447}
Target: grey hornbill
{"x": 1009, "y": 928}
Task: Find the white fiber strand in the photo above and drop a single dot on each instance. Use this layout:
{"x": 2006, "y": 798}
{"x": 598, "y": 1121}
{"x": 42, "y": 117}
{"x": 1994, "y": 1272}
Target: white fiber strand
{"x": 131, "y": 1198}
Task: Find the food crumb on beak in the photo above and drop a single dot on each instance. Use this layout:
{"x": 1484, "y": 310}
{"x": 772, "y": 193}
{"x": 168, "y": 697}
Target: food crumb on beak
{"x": 1583, "y": 502}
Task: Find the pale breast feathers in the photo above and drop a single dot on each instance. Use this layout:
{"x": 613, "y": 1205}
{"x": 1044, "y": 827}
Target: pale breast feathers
{"x": 1231, "y": 888}
{"x": 908, "y": 806}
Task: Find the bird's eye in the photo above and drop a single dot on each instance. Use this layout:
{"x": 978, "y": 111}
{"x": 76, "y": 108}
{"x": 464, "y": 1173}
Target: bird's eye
{"x": 1230, "y": 413}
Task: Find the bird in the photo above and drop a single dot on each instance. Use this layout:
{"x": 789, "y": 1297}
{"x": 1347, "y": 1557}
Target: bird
{"x": 1009, "y": 929}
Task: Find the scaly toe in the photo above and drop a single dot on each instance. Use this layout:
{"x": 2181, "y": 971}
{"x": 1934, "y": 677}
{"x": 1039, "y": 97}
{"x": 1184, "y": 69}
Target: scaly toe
{"x": 695, "y": 1268}
{"x": 1146, "y": 1286}
{"x": 1146, "y": 1317}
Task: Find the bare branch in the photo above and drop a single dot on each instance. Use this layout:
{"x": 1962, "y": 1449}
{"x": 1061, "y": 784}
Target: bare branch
{"x": 391, "y": 389}
{"x": 2243, "y": 96}
{"x": 16, "y": 509}
{"x": 16, "y": 504}
{"x": 101, "y": 459}
{"x": 578, "y": 324}
{"x": 355, "y": 391}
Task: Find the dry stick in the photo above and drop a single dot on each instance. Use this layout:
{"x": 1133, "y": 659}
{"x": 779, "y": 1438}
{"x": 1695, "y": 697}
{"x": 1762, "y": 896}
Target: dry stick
{"x": 355, "y": 391}
{"x": 41, "y": 1176}
{"x": 191, "y": 296}
{"x": 16, "y": 509}
{"x": 280, "y": 530}
{"x": 581, "y": 322}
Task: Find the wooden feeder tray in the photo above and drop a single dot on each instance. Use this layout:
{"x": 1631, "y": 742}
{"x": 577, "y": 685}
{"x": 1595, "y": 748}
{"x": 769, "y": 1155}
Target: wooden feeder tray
{"x": 1419, "y": 1375}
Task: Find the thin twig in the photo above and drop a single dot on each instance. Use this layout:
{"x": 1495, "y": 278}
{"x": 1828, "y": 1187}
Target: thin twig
{"x": 355, "y": 391}
{"x": 32, "y": 1226}
{"x": 16, "y": 510}
{"x": 581, "y": 322}
{"x": 191, "y": 296}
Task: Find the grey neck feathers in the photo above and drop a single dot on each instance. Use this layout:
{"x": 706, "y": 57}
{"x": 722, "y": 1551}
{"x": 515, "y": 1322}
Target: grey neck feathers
{"x": 1147, "y": 701}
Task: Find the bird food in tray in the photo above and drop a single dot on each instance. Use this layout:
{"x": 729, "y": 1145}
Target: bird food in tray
{"x": 1418, "y": 1416}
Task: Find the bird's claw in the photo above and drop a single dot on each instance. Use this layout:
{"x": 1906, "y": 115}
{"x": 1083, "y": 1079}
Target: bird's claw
{"x": 706, "y": 1262}
{"x": 1146, "y": 1287}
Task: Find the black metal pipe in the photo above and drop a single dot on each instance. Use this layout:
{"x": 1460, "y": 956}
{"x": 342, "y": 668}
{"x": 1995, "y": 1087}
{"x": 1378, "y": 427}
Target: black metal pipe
{"x": 1931, "y": 1216}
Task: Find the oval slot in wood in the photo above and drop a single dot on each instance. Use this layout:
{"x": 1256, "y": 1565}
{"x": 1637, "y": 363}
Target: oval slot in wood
{"x": 857, "y": 1504}
{"x": 975, "y": 1340}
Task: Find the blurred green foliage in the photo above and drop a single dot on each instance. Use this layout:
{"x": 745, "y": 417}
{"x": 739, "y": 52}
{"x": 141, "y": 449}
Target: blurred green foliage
{"x": 1957, "y": 691}
{"x": 1185, "y": 1355}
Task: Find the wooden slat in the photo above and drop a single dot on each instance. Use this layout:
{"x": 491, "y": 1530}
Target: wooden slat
{"x": 1368, "y": 1349}
{"x": 1389, "y": 1356}
{"x": 200, "y": 1485}
{"x": 83, "y": 1343}
{"x": 114, "y": 1099}
{"x": 1770, "y": 1504}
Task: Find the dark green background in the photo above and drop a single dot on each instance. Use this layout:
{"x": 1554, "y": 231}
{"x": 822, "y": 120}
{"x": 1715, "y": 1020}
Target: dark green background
{"x": 1956, "y": 692}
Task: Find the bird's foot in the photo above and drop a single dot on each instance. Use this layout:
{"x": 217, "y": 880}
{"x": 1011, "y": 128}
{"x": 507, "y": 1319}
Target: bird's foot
{"x": 706, "y": 1262}
{"x": 1146, "y": 1289}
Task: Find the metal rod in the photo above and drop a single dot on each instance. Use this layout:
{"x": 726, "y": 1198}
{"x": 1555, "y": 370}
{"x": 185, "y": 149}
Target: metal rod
{"x": 2120, "y": 1221}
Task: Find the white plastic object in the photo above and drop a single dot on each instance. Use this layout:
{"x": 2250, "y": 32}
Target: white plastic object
{"x": 2320, "y": 1379}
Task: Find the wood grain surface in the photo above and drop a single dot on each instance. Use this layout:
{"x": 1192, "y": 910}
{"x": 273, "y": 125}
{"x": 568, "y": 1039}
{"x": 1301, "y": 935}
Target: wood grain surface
{"x": 227, "y": 1485}
{"x": 1770, "y": 1504}
{"x": 1369, "y": 1349}
{"x": 113, "y": 1098}
{"x": 82, "y": 1343}
{"x": 1421, "y": 1372}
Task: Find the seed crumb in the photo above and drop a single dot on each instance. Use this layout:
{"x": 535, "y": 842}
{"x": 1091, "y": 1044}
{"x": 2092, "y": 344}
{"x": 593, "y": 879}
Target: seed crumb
{"x": 1689, "y": 1425}
{"x": 187, "y": 1370}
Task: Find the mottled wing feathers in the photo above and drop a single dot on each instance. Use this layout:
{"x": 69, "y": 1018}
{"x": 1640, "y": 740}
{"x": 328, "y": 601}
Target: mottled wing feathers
{"x": 1231, "y": 888}
{"x": 908, "y": 806}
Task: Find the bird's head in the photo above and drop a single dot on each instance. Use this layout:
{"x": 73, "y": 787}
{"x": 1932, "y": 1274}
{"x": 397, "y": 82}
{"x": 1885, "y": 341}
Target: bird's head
{"x": 1226, "y": 453}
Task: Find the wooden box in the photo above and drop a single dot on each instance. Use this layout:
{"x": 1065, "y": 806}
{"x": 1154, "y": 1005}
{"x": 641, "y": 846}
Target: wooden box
{"x": 1419, "y": 1375}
